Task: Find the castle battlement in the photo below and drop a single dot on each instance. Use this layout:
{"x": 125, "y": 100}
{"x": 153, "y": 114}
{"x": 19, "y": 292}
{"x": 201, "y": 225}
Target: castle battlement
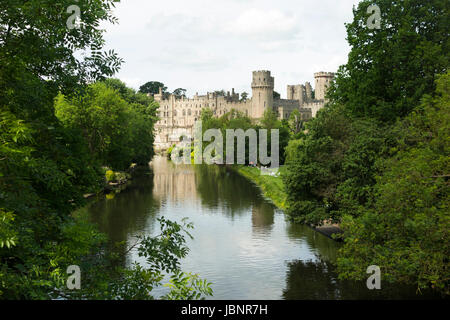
{"x": 178, "y": 115}
{"x": 324, "y": 74}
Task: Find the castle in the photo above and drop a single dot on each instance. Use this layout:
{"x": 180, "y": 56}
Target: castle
{"x": 178, "y": 115}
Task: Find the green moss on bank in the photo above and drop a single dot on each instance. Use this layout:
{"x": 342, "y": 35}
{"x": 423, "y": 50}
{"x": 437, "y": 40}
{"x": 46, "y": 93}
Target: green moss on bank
{"x": 272, "y": 187}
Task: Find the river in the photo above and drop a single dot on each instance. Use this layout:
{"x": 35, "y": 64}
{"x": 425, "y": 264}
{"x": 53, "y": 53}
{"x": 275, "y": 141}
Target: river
{"x": 242, "y": 243}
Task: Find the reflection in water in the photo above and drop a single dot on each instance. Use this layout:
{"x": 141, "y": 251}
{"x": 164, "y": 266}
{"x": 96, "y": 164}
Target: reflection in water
{"x": 318, "y": 280}
{"x": 242, "y": 243}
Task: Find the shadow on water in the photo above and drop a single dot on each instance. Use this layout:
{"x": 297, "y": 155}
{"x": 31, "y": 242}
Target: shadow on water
{"x": 317, "y": 280}
{"x": 242, "y": 243}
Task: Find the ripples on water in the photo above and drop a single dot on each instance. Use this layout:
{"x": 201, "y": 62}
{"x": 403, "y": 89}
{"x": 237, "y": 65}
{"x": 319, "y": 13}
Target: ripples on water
{"x": 242, "y": 243}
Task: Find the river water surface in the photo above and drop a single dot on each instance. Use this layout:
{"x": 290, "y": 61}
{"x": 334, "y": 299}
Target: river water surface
{"x": 242, "y": 243}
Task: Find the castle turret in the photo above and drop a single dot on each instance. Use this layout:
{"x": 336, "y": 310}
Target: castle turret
{"x": 308, "y": 90}
{"x": 262, "y": 93}
{"x": 323, "y": 80}
{"x": 296, "y": 92}
{"x": 290, "y": 92}
{"x": 160, "y": 96}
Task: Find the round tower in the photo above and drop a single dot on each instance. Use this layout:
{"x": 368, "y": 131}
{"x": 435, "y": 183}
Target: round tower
{"x": 262, "y": 93}
{"x": 323, "y": 80}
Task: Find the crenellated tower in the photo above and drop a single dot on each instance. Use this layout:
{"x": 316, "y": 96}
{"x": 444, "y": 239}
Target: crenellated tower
{"x": 262, "y": 93}
{"x": 323, "y": 81}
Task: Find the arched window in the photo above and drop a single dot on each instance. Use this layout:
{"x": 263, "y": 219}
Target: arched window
{"x": 189, "y": 112}
{"x": 174, "y": 113}
{"x": 184, "y": 112}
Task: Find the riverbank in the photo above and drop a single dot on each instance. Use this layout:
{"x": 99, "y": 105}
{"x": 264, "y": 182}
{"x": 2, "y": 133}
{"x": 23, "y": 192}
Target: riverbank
{"x": 272, "y": 186}
{"x": 115, "y": 181}
{"x": 273, "y": 189}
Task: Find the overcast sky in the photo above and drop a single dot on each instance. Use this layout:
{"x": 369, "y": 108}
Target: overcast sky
{"x": 207, "y": 45}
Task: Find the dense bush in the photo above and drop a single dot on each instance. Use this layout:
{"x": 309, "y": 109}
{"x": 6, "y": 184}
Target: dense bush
{"x": 376, "y": 157}
{"x": 46, "y": 165}
{"x": 117, "y": 131}
{"x": 406, "y": 230}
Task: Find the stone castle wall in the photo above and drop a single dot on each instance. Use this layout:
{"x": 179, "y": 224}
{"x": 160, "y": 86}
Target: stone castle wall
{"x": 178, "y": 115}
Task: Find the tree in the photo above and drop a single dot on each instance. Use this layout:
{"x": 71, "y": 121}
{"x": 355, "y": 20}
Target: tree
{"x": 45, "y": 168}
{"x": 390, "y": 69}
{"x": 244, "y": 96}
{"x": 295, "y": 122}
{"x": 276, "y": 95}
{"x": 180, "y": 93}
{"x": 152, "y": 88}
{"x": 406, "y": 231}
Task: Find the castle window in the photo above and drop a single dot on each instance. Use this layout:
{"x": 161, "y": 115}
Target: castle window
{"x": 184, "y": 112}
{"x": 189, "y": 112}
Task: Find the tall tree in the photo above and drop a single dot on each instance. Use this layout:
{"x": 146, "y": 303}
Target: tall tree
{"x": 180, "y": 93}
{"x": 244, "y": 96}
{"x": 276, "y": 95}
{"x": 152, "y": 87}
{"x": 44, "y": 167}
{"x": 391, "y": 68}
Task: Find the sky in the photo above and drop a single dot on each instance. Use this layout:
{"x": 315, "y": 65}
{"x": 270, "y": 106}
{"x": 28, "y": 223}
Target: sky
{"x": 208, "y": 45}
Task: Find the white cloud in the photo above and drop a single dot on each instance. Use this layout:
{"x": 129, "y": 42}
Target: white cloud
{"x": 203, "y": 45}
{"x": 262, "y": 24}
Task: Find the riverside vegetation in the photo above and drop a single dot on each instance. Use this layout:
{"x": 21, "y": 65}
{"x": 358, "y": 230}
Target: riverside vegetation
{"x": 61, "y": 121}
{"x": 376, "y": 159}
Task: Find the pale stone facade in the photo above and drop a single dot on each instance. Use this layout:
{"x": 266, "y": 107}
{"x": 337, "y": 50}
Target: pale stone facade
{"x": 178, "y": 115}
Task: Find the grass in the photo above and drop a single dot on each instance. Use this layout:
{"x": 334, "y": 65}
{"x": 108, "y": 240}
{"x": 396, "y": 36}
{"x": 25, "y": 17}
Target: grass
{"x": 272, "y": 187}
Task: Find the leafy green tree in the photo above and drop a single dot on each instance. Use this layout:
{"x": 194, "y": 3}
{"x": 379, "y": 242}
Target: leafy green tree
{"x": 391, "y": 68}
{"x": 244, "y": 96}
{"x": 276, "y": 95}
{"x": 295, "y": 122}
{"x": 142, "y": 111}
{"x": 46, "y": 167}
{"x": 406, "y": 231}
{"x": 152, "y": 88}
{"x": 101, "y": 116}
{"x": 180, "y": 93}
